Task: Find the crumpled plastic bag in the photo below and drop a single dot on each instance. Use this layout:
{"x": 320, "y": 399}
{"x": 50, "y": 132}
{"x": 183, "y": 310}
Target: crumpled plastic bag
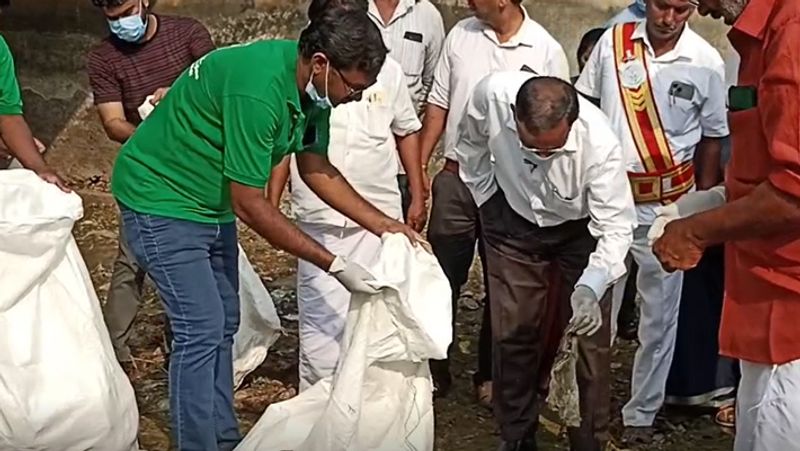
{"x": 564, "y": 396}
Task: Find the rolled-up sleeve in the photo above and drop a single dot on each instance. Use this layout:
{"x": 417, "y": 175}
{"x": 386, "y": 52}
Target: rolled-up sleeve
{"x": 472, "y": 147}
{"x": 780, "y": 110}
{"x": 440, "y": 89}
{"x": 612, "y": 221}
{"x": 404, "y": 118}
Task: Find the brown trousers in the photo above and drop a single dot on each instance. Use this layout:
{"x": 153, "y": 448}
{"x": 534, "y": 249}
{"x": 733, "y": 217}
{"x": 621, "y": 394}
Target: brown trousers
{"x": 519, "y": 257}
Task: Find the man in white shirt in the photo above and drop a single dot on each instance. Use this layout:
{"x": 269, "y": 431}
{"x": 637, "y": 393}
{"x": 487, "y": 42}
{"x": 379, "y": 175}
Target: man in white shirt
{"x": 547, "y": 172}
{"x": 365, "y": 138}
{"x": 500, "y": 37}
{"x": 414, "y": 32}
{"x": 663, "y": 88}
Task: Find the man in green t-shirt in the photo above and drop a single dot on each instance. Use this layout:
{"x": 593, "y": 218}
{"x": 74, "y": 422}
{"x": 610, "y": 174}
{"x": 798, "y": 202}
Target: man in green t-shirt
{"x": 203, "y": 158}
{"x": 14, "y": 130}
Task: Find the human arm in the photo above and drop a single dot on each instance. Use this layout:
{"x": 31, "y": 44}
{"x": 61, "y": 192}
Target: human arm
{"x": 329, "y": 185}
{"x": 714, "y": 125}
{"x": 438, "y": 104}
{"x": 773, "y": 207}
{"x": 472, "y": 146}
{"x": 708, "y": 163}
{"x": 612, "y": 221}
{"x": 201, "y": 42}
{"x": 278, "y": 180}
{"x": 405, "y": 128}
{"x": 112, "y": 116}
{"x": 433, "y": 51}
{"x": 14, "y": 130}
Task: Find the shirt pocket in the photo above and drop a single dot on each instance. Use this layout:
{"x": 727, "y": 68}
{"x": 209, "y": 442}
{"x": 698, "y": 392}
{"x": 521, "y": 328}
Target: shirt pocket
{"x": 412, "y": 54}
{"x": 562, "y": 193}
{"x": 379, "y": 117}
{"x": 681, "y": 114}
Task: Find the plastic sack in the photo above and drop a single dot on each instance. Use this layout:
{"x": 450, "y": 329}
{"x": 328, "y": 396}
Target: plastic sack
{"x": 61, "y": 387}
{"x": 563, "y": 396}
{"x": 380, "y": 397}
{"x": 259, "y": 325}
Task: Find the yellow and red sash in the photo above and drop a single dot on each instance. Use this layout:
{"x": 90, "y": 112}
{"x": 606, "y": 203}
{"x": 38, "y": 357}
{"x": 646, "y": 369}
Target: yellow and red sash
{"x": 663, "y": 181}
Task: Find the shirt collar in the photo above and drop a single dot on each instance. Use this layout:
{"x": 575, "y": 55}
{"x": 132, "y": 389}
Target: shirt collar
{"x": 526, "y": 35}
{"x": 403, "y": 7}
{"x": 755, "y": 17}
{"x": 681, "y": 50}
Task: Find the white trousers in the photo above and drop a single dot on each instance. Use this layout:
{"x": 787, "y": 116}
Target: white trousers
{"x": 323, "y": 302}
{"x": 768, "y": 407}
{"x": 658, "y": 295}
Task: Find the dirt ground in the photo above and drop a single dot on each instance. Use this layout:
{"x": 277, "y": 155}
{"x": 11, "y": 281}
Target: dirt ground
{"x": 83, "y": 153}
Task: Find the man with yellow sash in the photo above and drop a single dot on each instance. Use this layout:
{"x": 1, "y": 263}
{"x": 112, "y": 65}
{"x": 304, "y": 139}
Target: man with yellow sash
{"x": 663, "y": 88}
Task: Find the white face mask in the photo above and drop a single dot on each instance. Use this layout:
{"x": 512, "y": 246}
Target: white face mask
{"x": 320, "y": 101}
{"x": 536, "y": 154}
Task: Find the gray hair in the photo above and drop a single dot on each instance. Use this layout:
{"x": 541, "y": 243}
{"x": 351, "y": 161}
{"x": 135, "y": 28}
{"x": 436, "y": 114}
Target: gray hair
{"x": 543, "y": 102}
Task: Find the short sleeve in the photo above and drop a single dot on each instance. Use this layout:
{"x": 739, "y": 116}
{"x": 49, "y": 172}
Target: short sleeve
{"x": 249, "y": 130}
{"x": 317, "y": 132}
{"x": 10, "y": 99}
{"x": 557, "y": 64}
{"x": 105, "y": 85}
{"x": 714, "y": 113}
{"x": 440, "y": 90}
{"x": 590, "y": 80}
{"x": 779, "y": 109}
{"x": 404, "y": 116}
{"x": 201, "y": 42}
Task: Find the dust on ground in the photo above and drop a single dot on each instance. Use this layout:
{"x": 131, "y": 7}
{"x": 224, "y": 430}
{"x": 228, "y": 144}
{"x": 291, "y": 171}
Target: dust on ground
{"x": 460, "y": 423}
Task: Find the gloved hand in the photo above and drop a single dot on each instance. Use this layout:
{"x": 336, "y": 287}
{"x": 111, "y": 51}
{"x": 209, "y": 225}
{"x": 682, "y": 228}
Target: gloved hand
{"x": 352, "y": 275}
{"x": 688, "y": 205}
{"x": 586, "y": 315}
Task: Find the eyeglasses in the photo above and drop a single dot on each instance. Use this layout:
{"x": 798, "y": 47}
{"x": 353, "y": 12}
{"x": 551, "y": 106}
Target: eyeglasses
{"x": 352, "y": 90}
{"x": 694, "y": 3}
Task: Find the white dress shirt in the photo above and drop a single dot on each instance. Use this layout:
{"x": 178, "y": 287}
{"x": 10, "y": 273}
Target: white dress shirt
{"x": 692, "y": 62}
{"x": 362, "y": 147}
{"x": 585, "y": 179}
{"x": 414, "y": 37}
{"x": 472, "y": 51}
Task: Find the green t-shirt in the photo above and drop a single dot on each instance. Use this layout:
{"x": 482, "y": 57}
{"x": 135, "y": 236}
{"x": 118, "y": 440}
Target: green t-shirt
{"x": 231, "y": 116}
{"x": 10, "y": 100}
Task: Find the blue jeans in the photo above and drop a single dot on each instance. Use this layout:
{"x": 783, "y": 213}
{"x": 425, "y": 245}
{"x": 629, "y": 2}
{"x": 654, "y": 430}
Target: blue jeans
{"x": 195, "y": 268}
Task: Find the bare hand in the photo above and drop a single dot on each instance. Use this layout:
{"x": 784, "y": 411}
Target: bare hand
{"x": 417, "y": 215}
{"x": 678, "y": 249}
{"x": 51, "y": 176}
{"x": 158, "y": 95}
{"x": 393, "y": 226}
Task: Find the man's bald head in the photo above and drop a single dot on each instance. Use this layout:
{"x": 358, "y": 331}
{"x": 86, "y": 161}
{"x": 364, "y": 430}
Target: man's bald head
{"x": 545, "y": 110}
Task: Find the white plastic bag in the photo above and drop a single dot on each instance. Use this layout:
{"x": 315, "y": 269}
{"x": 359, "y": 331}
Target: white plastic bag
{"x": 259, "y": 325}
{"x": 380, "y": 397}
{"x": 60, "y": 385}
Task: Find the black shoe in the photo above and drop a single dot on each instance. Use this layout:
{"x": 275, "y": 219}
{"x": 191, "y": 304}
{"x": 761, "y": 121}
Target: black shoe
{"x": 638, "y": 436}
{"x": 528, "y": 444}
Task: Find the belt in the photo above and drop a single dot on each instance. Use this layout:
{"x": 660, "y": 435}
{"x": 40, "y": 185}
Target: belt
{"x": 665, "y": 187}
{"x": 450, "y": 166}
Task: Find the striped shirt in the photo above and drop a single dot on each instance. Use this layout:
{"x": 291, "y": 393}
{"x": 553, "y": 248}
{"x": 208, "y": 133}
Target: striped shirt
{"x": 128, "y": 73}
{"x": 414, "y": 36}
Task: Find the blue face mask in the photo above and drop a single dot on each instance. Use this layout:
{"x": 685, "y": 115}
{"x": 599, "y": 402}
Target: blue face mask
{"x": 129, "y": 29}
{"x": 320, "y": 101}
{"x": 640, "y": 5}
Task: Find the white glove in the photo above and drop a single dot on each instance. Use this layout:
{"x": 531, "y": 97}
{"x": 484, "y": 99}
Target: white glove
{"x": 688, "y": 205}
{"x": 586, "y": 315}
{"x": 353, "y": 276}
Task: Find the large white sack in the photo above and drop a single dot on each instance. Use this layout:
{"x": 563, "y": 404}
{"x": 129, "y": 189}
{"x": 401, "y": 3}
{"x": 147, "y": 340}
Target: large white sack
{"x": 380, "y": 397}
{"x": 60, "y": 385}
{"x": 259, "y": 325}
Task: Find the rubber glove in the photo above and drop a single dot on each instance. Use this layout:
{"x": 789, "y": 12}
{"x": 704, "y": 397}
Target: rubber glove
{"x": 353, "y": 276}
{"x": 688, "y": 205}
{"x": 586, "y": 315}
